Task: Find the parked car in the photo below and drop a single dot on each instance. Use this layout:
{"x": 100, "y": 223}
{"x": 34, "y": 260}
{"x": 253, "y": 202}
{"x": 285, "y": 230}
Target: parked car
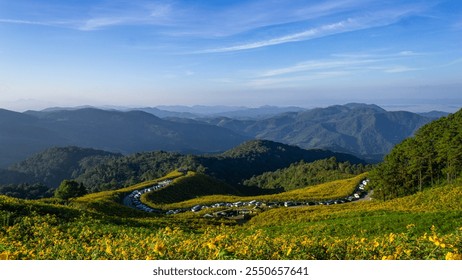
{"x": 196, "y": 208}
{"x": 289, "y": 204}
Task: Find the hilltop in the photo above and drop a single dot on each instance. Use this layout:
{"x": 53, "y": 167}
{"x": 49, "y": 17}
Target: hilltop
{"x": 100, "y": 170}
{"x": 258, "y": 156}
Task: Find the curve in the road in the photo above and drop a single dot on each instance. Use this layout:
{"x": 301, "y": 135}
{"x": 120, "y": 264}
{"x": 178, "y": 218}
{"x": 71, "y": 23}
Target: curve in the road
{"x": 133, "y": 200}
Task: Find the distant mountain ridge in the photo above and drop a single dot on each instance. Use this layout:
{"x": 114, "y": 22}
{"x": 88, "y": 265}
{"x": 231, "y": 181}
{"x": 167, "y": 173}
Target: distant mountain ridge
{"x": 198, "y": 112}
{"x": 367, "y": 131}
{"x": 23, "y": 134}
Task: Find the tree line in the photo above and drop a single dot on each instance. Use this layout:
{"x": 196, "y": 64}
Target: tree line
{"x": 302, "y": 174}
{"x": 432, "y": 157}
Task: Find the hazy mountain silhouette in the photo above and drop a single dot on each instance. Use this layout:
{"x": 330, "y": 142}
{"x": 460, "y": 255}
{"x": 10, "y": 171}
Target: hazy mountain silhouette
{"x": 364, "y": 130}
{"x": 23, "y": 134}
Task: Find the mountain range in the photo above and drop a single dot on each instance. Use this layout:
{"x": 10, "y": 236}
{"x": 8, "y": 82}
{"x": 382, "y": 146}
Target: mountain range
{"x": 23, "y": 134}
{"x": 366, "y": 131}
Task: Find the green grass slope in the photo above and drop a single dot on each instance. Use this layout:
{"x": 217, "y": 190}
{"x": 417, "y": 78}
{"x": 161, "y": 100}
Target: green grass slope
{"x": 427, "y": 225}
{"x": 110, "y": 202}
{"x": 191, "y": 186}
{"x": 327, "y": 191}
{"x": 440, "y": 206}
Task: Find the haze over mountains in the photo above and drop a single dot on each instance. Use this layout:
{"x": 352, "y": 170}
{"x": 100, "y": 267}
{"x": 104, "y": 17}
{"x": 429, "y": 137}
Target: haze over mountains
{"x": 115, "y": 131}
{"x": 366, "y": 131}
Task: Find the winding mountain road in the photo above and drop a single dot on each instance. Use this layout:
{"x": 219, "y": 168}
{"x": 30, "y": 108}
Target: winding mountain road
{"x": 133, "y": 200}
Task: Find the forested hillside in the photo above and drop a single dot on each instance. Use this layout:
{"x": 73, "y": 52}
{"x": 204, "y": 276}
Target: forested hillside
{"x": 39, "y": 175}
{"x": 430, "y": 158}
{"x": 99, "y": 170}
{"x": 302, "y": 174}
{"x": 259, "y": 156}
{"x": 52, "y": 165}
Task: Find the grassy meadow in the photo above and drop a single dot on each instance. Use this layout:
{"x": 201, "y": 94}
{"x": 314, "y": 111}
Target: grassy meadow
{"x": 426, "y": 225}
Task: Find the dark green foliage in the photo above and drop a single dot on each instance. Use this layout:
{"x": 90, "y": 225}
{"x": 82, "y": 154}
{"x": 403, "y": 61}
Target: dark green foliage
{"x": 433, "y": 156}
{"x": 53, "y": 165}
{"x": 259, "y": 156}
{"x": 99, "y": 170}
{"x": 37, "y": 176}
{"x": 70, "y": 189}
{"x": 26, "y": 191}
{"x": 191, "y": 187}
{"x": 233, "y": 166}
{"x": 302, "y": 174}
{"x": 121, "y": 172}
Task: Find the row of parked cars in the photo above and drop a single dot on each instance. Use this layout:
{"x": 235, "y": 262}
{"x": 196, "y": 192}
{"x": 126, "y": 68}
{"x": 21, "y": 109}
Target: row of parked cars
{"x": 359, "y": 193}
{"x": 135, "y": 196}
{"x": 253, "y": 203}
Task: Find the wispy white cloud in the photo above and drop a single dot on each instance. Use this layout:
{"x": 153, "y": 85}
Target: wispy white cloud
{"x": 185, "y": 19}
{"x": 336, "y": 66}
{"x": 321, "y": 31}
{"x": 399, "y": 69}
{"x": 25, "y": 22}
{"x": 101, "y": 16}
{"x": 355, "y": 23}
{"x": 453, "y": 62}
{"x": 380, "y": 54}
{"x": 98, "y": 23}
{"x": 131, "y": 13}
{"x": 264, "y": 82}
{"x": 222, "y": 20}
{"x": 258, "y": 14}
{"x": 318, "y": 65}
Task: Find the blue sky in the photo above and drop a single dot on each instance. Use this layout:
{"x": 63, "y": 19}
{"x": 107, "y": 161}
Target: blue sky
{"x": 400, "y": 54}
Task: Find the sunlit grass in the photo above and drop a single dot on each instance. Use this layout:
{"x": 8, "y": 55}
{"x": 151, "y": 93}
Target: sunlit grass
{"x": 427, "y": 225}
{"x": 331, "y": 190}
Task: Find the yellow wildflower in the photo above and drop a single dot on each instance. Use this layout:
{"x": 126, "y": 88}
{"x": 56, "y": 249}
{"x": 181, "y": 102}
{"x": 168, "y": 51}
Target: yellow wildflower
{"x": 4, "y": 256}
{"x": 392, "y": 237}
{"x": 453, "y": 256}
{"x": 159, "y": 248}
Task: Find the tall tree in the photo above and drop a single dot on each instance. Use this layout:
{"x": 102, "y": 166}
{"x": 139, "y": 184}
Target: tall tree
{"x": 69, "y": 189}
